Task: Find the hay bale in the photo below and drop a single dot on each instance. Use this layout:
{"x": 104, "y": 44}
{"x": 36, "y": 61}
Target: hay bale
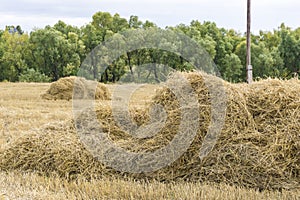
{"x": 274, "y": 105}
{"x": 63, "y": 89}
{"x": 247, "y": 153}
{"x": 259, "y": 145}
{"x": 56, "y": 149}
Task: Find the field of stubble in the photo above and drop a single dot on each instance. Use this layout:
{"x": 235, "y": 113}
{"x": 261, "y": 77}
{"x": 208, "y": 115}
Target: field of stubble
{"x": 23, "y": 111}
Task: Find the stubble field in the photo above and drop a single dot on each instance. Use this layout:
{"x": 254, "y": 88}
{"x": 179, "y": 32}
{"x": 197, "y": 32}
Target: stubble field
{"x": 23, "y": 111}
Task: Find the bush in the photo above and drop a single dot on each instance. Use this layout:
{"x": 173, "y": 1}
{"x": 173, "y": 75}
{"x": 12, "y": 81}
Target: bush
{"x": 30, "y": 75}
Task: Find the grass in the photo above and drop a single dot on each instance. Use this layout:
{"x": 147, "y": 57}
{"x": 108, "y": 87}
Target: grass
{"x": 23, "y": 111}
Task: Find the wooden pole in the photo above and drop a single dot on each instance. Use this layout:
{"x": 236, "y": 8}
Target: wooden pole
{"x": 248, "y": 63}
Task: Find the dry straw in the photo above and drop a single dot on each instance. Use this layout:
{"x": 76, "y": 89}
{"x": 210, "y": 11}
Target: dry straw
{"x": 63, "y": 89}
{"x": 259, "y": 146}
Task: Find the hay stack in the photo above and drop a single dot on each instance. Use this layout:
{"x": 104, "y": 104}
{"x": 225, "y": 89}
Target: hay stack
{"x": 63, "y": 89}
{"x": 56, "y": 149}
{"x": 259, "y": 145}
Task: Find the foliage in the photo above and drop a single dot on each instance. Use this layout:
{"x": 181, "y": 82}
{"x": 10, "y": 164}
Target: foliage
{"x": 53, "y": 51}
{"x": 30, "y": 75}
{"x": 14, "y": 49}
{"x": 59, "y": 50}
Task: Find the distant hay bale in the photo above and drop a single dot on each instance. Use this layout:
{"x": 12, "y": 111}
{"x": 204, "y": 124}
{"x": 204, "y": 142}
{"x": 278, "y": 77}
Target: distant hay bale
{"x": 63, "y": 89}
{"x": 258, "y": 147}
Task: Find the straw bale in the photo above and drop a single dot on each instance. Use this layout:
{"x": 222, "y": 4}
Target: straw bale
{"x": 63, "y": 89}
{"x": 56, "y": 149}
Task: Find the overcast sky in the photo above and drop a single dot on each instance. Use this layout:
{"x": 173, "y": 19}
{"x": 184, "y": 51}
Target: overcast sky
{"x": 266, "y": 14}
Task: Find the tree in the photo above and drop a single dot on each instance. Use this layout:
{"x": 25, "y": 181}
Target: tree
{"x": 30, "y": 75}
{"x": 59, "y": 50}
{"x": 119, "y": 24}
{"x": 195, "y": 31}
{"x": 148, "y": 24}
{"x": 261, "y": 58}
{"x": 65, "y": 28}
{"x": 101, "y": 28}
{"x": 232, "y": 68}
{"x": 134, "y": 22}
{"x": 289, "y": 49}
{"x": 52, "y": 51}
{"x": 14, "y": 50}
{"x": 103, "y": 23}
{"x": 270, "y": 39}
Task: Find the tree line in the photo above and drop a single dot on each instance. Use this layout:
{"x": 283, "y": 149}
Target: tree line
{"x": 57, "y": 51}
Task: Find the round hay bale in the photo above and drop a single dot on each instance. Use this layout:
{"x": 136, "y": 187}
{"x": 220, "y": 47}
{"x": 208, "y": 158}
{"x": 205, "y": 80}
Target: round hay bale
{"x": 64, "y": 87}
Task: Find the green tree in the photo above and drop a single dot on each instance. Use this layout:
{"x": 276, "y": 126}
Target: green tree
{"x": 134, "y": 22}
{"x": 262, "y": 60}
{"x": 52, "y": 51}
{"x": 148, "y": 24}
{"x": 195, "y": 32}
{"x": 65, "y": 28}
{"x": 232, "y": 68}
{"x": 30, "y": 75}
{"x": 103, "y": 26}
{"x": 103, "y": 23}
{"x": 289, "y": 49}
{"x": 119, "y": 24}
{"x": 13, "y": 51}
{"x": 59, "y": 50}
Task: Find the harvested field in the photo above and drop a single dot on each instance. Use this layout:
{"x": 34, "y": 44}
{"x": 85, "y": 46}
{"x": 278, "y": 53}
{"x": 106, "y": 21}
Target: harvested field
{"x": 15, "y": 185}
{"x": 258, "y": 147}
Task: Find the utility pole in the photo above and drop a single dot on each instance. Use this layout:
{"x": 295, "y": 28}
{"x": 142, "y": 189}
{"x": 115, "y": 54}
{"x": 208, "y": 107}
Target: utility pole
{"x": 248, "y": 65}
